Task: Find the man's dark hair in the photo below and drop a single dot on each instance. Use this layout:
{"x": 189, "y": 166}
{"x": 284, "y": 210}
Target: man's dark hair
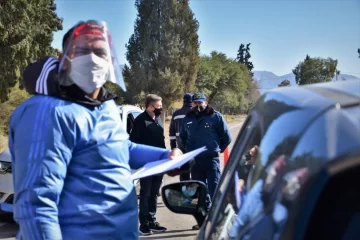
{"x": 150, "y": 98}
{"x": 68, "y": 34}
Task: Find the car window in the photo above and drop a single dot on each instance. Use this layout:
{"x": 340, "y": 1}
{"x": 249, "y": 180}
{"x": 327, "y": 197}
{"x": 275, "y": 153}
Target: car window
{"x": 129, "y": 122}
{"x": 235, "y": 184}
{"x": 135, "y": 114}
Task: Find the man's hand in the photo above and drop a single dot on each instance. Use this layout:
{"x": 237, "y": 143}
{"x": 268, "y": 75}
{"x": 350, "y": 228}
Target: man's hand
{"x": 175, "y": 153}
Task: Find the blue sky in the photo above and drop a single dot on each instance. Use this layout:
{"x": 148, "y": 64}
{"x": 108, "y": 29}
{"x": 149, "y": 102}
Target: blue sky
{"x": 281, "y": 33}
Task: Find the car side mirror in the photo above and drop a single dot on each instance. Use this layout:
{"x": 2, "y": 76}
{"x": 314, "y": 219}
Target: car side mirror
{"x": 186, "y": 197}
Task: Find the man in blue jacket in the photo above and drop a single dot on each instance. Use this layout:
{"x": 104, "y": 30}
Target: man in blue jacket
{"x": 71, "y": 157}
{"x": 175, "y": 128}
{"x": 203, "y": 126}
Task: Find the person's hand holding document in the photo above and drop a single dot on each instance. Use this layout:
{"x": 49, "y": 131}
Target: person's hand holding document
{"x": 175, "y": 161}
{"x": 175, "y": 153}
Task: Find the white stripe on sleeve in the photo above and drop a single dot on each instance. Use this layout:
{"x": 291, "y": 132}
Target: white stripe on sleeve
{"x": 172, "y": 138}
{"x": 46, "y": 78}
{"x": 179, "y": 117}
{"x": 45, "y": 71}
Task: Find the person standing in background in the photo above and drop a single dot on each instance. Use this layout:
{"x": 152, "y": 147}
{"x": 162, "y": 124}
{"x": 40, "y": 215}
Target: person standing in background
{"x": 175, "y": 128}
{"x": 203, "y": 126}
{"x": 148, "y": 129}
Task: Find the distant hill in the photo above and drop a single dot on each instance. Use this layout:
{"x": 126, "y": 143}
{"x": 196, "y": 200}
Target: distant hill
{"x": 268, "y": 80}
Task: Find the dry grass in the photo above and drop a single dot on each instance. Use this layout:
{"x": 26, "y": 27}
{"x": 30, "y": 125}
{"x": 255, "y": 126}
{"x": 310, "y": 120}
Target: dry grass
{"x": 3, "y": 142}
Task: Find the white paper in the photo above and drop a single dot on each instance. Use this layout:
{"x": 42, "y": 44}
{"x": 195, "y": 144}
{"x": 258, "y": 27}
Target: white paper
{"x": 165, "y": 165}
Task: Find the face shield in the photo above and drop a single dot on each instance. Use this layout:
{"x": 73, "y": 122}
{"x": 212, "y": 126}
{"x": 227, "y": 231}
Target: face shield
{"x": 89, "y": 59}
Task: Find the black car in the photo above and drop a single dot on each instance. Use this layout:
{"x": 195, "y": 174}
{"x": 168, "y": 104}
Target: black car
{"x": 294, "y": 171}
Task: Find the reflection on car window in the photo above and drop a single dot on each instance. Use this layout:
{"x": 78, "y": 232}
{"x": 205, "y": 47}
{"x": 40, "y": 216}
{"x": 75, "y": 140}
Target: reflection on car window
{"x": 238, "y": 186}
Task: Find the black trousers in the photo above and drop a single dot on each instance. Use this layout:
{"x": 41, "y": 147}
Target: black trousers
{"x": 149, "y": 188}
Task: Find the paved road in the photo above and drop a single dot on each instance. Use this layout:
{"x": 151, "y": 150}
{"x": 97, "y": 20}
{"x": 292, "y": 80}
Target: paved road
{"x": 179, "y": 226}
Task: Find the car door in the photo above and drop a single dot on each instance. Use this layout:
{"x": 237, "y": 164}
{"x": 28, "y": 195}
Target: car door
{"x": 234, "y": 184}
{"x": 131, "y": 115}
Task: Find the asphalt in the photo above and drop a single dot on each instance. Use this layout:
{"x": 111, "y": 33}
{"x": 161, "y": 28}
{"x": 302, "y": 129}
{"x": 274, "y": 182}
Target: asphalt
{"x": 178, "y": 225}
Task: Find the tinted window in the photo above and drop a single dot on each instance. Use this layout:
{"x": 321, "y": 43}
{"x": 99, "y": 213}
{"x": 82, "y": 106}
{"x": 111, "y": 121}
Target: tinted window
{"x": 235, "y": 184}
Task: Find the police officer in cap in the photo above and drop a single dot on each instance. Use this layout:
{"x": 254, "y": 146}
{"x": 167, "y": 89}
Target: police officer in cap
{"x": 203, "y": 126}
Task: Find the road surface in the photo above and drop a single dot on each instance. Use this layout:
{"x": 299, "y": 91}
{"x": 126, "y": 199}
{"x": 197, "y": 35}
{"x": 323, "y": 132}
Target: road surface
{"x": 179, "y": 225}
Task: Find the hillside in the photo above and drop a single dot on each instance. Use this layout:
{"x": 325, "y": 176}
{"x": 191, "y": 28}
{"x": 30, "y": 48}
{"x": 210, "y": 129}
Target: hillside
{"x": 268, "y": 80}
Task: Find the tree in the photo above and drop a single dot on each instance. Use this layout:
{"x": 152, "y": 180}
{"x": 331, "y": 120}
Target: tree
{"x": 315, "y": 70}
{"x": 162, "y": 52}
{"x": 337, "y": 73}
{"x": 218, "y": 74}
{"x": 241, "y": 54}
{"x": 248, "y": 64}
{"x": 284, "y": 83}
{"x": 244, "y": 56}
{"x": 359, "y": 52}
{"x": 253, "y": 94}
{"x": 26, "y": 33}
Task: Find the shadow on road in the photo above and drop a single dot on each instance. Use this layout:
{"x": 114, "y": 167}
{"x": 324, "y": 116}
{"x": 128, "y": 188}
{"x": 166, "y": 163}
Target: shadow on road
{"x": 178, "y": 231}
{"x": 158, "y": 236}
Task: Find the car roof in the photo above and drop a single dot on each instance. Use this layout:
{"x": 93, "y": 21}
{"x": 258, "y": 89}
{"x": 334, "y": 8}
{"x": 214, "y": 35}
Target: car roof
{"x": 285, "y": 114}
{"x": 312, "y": 98}
{"x": 5, "y": 155}
{"x": 129, "y": 108}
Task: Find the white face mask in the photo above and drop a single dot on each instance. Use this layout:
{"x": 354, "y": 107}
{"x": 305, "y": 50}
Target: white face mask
{"x": 89, "y": 72}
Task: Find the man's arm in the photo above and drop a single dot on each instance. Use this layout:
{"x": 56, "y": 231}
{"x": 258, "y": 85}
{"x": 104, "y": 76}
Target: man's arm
{"x": 141, "y": 154}
{"x": 172, "y": 133}
{"x": 41, "y": 77}
{"x": 223, "y": 133}
{"x": 136, "y": 134}
{"x": 40, "y": 158}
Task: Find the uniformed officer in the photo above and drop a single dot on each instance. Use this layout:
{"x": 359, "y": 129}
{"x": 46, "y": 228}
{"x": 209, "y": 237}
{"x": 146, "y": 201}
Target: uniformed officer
{"x": 203, "y": 126}
{"x": 175, "y": 128}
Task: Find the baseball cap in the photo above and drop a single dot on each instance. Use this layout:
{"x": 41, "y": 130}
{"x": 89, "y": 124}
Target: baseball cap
{"x": 198, "y": 97}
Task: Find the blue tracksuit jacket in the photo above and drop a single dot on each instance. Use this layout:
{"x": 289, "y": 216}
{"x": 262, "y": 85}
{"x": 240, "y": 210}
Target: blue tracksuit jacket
{"x": 71, "y": 171}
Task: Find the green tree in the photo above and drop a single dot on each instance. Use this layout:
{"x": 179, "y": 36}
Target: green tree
{"x": 162, "y": 52}
{"x": 248, "y": 63}
{"x": 243, "y": 57}
{"x": 253, "y": 94}
{"x": 26, "y": 33}
{"x": 284, "y": 83}
{"x": 315, "y": 70}
{"x": 218, "y": 74}
{"x": 241, "y": 54}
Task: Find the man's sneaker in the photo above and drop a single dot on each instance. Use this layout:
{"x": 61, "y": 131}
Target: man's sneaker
{"x": 145, "y": 230}
{"x": 156, "y": 227}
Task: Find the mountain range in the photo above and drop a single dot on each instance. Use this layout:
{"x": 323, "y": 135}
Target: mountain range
{"x": 268, "y": 80}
